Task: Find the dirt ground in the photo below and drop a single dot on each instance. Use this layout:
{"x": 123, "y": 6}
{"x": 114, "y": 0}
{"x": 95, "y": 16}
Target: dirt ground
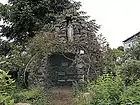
{"x": 62, "y": 96}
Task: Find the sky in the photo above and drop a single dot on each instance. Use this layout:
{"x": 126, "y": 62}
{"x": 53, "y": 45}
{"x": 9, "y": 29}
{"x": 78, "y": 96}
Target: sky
{"x": 119, "y": 19}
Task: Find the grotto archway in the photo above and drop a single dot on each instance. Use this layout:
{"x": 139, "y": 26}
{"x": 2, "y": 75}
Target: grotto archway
{"x": 62, "y": 70}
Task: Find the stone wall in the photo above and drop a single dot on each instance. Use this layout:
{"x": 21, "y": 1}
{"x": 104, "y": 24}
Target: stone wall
{"x": 40, "y": 77}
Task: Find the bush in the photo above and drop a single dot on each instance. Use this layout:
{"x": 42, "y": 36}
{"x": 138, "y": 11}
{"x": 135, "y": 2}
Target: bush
{"x": 131, "y": 96}
{"x": 130, "y": 71}
{"x": 9, "y": 94}
{"x": 106, "y": 90}
{"x": 82, "y": 97}
{"x": 6, "y": 85}
{"x": 33, "y": 96}
{"x": 109, "y": 90}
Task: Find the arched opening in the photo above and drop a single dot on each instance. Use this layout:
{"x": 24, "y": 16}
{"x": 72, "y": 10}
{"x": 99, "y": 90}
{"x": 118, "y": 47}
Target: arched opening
{"x": 62, "y": 70}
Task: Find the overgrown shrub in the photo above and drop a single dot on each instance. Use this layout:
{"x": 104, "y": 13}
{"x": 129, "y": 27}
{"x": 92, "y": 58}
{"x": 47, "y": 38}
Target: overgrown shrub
{"x": 109, "y": 90}
{"x": 6, "y": 86}
{"x": 131, "y": 95}
{"x": 33, "y": 96}
{"x": 130, "y": 71}
{"x": 106, "y": 90}
{"x": 79, "y": 93}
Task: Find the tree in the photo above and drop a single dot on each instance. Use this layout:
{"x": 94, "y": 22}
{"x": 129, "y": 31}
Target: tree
{"x": 121, "y": 48}
{"x": 4, "y": 48}
{"x": 25, "y": 17}
{"x": 113, "y": 58}
{"x": 130, "y": 71}
{"x": 133, "y": 52}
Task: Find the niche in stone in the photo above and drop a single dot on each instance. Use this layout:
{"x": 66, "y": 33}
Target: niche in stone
{"x": 62, "y": 70}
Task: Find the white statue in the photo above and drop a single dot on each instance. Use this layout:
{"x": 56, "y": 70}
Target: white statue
{"x": 69, "y": 29}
